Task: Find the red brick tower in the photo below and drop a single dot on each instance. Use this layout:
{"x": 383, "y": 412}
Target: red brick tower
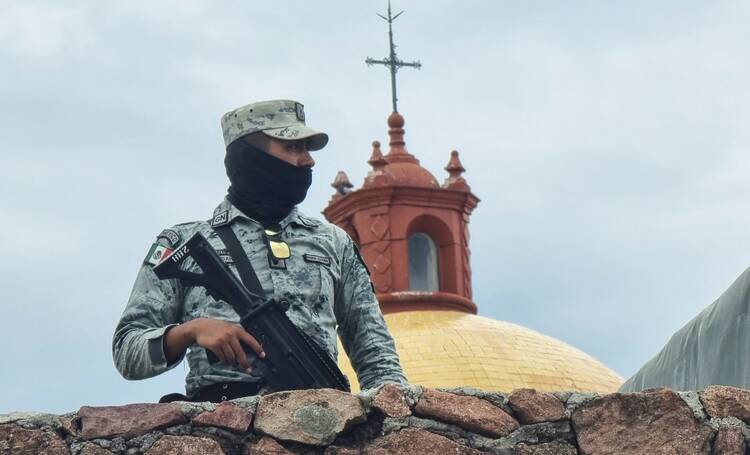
{"x": 412, "y": 232}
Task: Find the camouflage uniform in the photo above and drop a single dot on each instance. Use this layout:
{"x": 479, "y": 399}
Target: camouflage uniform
{"x": 325, "y": 284}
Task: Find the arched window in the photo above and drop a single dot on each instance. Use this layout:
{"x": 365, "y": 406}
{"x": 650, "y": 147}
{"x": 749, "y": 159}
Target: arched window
{"x": 423, "y": 263}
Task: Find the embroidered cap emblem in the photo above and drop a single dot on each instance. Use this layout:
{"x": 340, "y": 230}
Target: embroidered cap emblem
{"x": 300, "y": 109}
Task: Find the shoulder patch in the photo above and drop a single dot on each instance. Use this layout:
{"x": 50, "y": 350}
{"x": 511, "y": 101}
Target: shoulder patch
{"x": 156, "y": 254}
{"x": 171, "y": 236}
{"x": 220, "y": 219}
{"x": 318, "y": 259}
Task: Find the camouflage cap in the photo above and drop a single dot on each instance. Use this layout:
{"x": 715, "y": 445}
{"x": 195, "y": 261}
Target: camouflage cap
{"x": 279, "y": 119}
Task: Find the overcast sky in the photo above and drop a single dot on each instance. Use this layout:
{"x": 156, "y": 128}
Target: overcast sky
{"x": 607, "y": 141}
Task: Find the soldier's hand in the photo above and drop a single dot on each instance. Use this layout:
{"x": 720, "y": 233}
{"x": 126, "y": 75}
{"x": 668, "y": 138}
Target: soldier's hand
{"x": 225, "y": 340}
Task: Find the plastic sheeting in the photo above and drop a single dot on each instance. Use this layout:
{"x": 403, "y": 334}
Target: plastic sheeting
{"x": 713, "y": 348}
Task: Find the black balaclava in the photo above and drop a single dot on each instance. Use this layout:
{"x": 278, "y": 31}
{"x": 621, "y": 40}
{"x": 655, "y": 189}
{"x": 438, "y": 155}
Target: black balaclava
{"x": 264, "y": 187}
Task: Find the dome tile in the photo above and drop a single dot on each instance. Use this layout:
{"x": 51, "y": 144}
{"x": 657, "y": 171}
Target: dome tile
{"x": 447, "y": 349}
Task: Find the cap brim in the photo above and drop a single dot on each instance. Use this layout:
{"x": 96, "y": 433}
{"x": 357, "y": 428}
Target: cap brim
{"x": 316, "y": 140}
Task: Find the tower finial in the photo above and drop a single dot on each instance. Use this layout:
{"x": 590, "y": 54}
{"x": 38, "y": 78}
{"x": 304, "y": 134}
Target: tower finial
{"x": 392, "y": 60}
{"x": 342, "y": 184}
{"x": 377, "y": 161}
{"x": 455, "y": 169}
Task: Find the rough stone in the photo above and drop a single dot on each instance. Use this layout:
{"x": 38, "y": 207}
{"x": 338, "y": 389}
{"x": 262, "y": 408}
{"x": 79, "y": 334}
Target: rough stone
{"x": 190, "y": 409}
{"x": 729, "y": 441}
{"x": 69, "y": 425}
{"x": 531, "y": 406}
{"x": 93, "y": 449}
{"x": 468, "y": 412}
{"x": 314, "y": 417}
{"x": 496, "y": 398}
{"x": 249, "y": 404}
{"x": 577, "y": 399}
{"x": 266, "y": 446}
{"x": 416, "y": 442}
{"x": 649, "y": 423}
{"x": 20, "y": 441}
{"x": 694, "y": 402}
{"x": 40, "y": 420}
{"x": 724, "y": 401}
{"x": 336, "y": 450}
{"x": 227, "y": 416}
{"x": 549, "y": 448}
{"x": 185, "y": 445}
{"x": 391, "y": 401}
{"x": 129, "y": 420}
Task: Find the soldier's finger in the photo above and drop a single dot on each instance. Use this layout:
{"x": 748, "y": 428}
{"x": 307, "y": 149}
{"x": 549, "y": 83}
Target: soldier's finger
{"x": 219, "y": 353}
{"x": 240, "y": 355}
{"x": 228, "y": 354}
{"x": 253, "y": 343}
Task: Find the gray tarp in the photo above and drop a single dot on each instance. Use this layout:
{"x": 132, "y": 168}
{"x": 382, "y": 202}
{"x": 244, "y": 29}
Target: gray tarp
{"x": 713, "y": 348}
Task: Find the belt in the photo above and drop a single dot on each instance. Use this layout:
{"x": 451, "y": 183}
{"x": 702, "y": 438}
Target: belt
{"x": 224, "y": 391}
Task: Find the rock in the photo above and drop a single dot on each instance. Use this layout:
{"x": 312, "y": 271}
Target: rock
{"x": 93, "y": 449}
{"x": 724, "y": 401}
{"x": 313, "y": 417}
{"x": 128, "y": 420}
{"x": 647, "y": 423}
{"x": 36, "y": 419}
{"x": 391, "y": 401}
{"x": 69, "y": 425}
{"x": 20, "y": 441}
{"x": 227, "y": 416}
{"x": 414, "y": 441}
{"x": 266, "y": 446}
{"x": 549, "y": 448}
{"x": 729, "y": 441}
{"x": 531, "y": 406}
{"x": 470, "y": 413}
{"x": 336, "y": 450}
{"x": 185, "y": 445}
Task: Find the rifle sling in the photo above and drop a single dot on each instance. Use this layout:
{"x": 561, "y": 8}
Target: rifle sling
{"x": 245, "y": 269}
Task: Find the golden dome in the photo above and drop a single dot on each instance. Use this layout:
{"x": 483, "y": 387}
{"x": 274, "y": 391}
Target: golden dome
{"x": 454, "y": 349}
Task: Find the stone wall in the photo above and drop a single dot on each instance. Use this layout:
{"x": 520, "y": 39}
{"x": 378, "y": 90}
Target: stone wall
{"x": 393, "y": 420}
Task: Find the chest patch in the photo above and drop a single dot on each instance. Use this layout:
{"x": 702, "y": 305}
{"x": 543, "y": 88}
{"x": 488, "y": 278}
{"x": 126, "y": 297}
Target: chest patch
{"x": 317, "y": 259}
{"x": 225, "y": 256}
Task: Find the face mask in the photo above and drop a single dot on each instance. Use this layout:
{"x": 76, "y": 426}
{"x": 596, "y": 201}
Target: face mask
{"x": 264, "y": 187}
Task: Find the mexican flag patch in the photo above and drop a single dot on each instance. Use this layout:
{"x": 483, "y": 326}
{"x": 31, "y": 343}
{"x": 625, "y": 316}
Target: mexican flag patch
{"x": 156, "y": 254}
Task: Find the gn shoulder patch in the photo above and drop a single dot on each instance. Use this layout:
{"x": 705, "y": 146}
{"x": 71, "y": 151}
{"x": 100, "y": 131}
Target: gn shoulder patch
{"x": 171, "y": 236}
{"x": 156, "y": 254}
{"x": 220, "y": 219}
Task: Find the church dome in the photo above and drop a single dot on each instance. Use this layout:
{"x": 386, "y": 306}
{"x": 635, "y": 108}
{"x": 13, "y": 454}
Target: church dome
{"x": 456, "y": 349}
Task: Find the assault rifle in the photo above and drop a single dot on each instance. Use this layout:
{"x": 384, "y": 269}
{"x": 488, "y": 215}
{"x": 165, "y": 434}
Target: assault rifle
{"x": 293, "y": 360}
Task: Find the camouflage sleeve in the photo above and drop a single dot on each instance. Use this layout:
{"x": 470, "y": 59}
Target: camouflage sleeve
{"x": 138, "y": 342}
{"x": 361, "y": 326}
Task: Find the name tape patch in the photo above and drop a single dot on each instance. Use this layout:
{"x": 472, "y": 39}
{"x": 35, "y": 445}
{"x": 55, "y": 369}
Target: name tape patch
{"x": 316, "y": 259}
{"x": 225, "y": 255}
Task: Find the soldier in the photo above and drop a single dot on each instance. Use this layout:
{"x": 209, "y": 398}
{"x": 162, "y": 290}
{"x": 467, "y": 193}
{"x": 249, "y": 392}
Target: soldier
{"x": 313, "y": 268}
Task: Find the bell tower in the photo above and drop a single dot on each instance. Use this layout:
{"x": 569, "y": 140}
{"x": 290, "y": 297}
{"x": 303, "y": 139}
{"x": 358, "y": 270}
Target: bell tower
{"x": 413, "y": 232}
